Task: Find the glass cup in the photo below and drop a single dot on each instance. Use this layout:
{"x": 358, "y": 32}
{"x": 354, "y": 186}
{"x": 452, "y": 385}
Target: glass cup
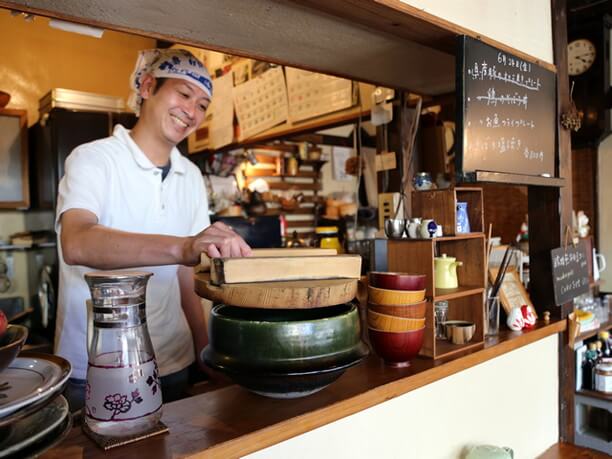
{"x": 441, "y": 312}
{"x": 492, "y": 314}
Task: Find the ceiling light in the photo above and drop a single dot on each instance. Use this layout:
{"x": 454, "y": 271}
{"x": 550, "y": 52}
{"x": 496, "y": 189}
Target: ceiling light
{"x": 76, "y": 28}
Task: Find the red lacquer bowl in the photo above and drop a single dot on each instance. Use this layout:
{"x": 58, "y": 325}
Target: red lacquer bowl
{"x": 397, "y": 281}
{"x": 397, "y": 348}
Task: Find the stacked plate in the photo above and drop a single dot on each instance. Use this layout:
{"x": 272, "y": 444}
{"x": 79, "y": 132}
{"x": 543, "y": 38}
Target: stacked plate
{"x": 33, "y": 415}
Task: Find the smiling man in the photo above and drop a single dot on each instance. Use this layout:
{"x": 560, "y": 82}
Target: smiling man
{"x": 133, "y": 201}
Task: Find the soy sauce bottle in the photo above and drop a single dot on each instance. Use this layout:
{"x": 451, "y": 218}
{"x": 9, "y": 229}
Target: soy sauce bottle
{"x": 588, "y": 367}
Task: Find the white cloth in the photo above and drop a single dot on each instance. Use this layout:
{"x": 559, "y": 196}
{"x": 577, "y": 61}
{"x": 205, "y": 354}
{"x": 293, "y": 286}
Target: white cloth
{"x": 114, "y": 179}
{"x": 167, "y": 63}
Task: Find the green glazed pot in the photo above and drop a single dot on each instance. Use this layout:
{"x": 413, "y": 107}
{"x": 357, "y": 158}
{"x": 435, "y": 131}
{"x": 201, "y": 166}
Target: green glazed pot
{"x": 284, "y": 340}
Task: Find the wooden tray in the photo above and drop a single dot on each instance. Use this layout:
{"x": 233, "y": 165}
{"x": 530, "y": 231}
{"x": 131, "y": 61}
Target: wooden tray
{"x": 279, "y": 295}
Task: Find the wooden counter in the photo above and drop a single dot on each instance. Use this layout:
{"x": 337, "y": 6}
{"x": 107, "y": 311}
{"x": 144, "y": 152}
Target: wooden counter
{"x": 232, "y": 422}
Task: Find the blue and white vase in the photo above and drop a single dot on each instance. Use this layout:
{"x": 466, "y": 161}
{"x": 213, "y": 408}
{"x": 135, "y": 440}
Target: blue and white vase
{"x": 463, "y": 222}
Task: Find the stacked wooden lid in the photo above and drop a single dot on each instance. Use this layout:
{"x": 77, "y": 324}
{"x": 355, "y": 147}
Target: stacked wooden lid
{"x": 280, "y": 279}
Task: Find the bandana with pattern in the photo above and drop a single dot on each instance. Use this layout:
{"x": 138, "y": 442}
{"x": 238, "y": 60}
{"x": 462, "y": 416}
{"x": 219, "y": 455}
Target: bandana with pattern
{"x": 167, "y": 63}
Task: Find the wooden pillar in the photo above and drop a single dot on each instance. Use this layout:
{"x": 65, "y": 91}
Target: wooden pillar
{"x": 550, "y": 211}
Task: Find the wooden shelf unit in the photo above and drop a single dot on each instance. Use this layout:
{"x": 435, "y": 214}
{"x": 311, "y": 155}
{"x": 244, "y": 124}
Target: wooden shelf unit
{"x": 465, "y": 302}
{"x": 307, "y": 181}
{"x": 441, "y": 205}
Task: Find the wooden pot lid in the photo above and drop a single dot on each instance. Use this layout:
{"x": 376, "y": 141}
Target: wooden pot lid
{"x": 279, "y": 295}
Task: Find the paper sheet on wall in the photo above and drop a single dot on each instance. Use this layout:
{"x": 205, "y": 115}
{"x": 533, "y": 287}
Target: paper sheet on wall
{"x": 221, "y": 112}
{"x": 261, "y": 103}
{"x": 339, "y": 157}
{"x": 314, "y": 94}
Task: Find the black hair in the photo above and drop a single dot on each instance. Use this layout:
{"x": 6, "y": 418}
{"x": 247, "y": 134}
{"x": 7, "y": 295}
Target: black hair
{"x": 159, "y": 82}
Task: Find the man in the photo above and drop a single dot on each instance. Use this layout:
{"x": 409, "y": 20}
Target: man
{"x": 133, "y": 201}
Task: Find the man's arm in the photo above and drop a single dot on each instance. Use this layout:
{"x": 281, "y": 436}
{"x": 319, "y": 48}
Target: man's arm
{"x": 86, "y": 242}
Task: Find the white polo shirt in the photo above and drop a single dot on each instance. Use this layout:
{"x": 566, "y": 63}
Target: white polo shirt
{"x": 114, "y": 179}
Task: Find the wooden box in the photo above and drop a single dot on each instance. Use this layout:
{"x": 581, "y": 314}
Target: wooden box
{"x": 441, "y": 205}
{"x": 465, "y": 302}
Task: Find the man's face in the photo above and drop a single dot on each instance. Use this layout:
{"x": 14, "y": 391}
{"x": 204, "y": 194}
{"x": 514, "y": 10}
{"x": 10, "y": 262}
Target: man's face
{"x": 175, "y": 109}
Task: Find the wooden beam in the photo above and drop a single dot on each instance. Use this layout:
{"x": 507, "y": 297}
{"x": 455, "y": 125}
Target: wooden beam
{"x": 282, "y": 32}
{"x": 550, "y": 211}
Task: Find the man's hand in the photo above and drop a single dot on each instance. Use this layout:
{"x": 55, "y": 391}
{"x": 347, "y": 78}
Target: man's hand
{"x": 218, "y": 240}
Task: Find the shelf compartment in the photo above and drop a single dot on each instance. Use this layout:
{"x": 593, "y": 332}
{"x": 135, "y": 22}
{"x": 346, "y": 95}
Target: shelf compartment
{"x": 469, "y": 307}
{"x": 441, "y": 205}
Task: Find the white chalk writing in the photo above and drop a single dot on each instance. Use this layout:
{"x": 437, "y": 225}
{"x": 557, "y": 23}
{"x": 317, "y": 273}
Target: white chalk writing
{"x": 492, "y": 98}
{"x": 495, "y": 122}
{"x": 482, "y": 71}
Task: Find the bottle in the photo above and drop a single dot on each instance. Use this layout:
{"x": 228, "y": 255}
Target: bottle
{"x": 604, "y": 337}
{"x": 588, "y": 367}
{"x": 327, "y": 238}
{"x": 598, "y": 347}
{"x": 123, "y": 392}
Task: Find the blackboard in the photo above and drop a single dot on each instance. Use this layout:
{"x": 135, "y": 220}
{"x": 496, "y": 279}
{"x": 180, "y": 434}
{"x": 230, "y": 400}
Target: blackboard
{"x": 570, "y": 268}
{"x": 506, "y": 112}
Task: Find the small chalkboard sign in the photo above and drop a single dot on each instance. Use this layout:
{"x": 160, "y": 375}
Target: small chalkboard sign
{"x": 570, "y": 268}
{"x": 506, "y": 113}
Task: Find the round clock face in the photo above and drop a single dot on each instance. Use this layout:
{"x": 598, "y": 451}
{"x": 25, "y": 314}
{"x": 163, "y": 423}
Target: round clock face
{"x": 580, "y": 56}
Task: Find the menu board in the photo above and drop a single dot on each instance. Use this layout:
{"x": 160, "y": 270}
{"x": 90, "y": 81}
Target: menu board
{"x": 506, "y": 112}
{"x": 570, "y": 268}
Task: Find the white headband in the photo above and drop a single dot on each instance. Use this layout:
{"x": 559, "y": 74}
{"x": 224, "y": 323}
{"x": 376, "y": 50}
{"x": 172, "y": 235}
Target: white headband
{"x": 167, "y": 63}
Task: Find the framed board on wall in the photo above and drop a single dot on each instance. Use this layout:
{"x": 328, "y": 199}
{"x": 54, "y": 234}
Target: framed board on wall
{"x": 506, "y": 120}
{"x": 14, "y": 183}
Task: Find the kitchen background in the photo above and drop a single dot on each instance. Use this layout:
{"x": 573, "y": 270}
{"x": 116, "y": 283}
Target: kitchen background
{"x": 38, "y": 58}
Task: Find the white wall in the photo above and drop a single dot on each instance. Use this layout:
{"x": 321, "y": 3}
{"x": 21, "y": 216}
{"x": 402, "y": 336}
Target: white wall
{"x": 511, "y": 400}
{"x": 522, "y": 24}
{"x": 604, "y": 220}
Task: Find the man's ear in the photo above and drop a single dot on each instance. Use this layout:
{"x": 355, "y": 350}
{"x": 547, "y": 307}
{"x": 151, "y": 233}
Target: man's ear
{"x": 147, "y": 85}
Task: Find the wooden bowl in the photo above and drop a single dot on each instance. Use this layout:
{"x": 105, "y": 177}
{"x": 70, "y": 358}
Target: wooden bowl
{"x": 459, "y": 331}
{"x": 386, "y": 322}
{"x": 409, "y": 311}
{"x": 396, "y": 281}
{"x": 397, "y": 297}
{"x": 396, "y": 349}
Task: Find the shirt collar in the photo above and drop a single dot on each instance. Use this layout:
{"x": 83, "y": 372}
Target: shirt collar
{"x": 141, "y": 159}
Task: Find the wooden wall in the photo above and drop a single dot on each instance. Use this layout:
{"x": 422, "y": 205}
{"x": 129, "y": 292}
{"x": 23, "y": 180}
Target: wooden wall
{"x": 505, "y": 206}
{"x": 584, "y": 181}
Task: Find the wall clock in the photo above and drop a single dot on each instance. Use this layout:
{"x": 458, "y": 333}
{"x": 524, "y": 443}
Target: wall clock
{"x": 588, "y": 57}
{"x": 581, "y": 54}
